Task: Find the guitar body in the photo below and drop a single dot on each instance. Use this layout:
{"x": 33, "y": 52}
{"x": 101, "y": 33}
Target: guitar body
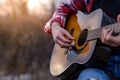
{"x": 62, "y": 59}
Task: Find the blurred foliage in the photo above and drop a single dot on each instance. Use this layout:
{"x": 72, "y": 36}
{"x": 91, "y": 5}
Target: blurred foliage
{"x": 24, "y": 46}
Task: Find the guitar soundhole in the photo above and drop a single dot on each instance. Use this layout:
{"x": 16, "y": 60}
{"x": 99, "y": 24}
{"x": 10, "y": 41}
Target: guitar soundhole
{"x": 82, "y": 37}
{"x": 74, "y": 52}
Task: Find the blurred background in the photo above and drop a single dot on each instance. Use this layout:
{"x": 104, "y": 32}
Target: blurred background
{"x": 25, "y": 49}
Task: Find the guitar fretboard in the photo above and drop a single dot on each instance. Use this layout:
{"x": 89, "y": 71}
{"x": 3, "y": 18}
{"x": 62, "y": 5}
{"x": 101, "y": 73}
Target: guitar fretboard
{"x": 94, "y": 34}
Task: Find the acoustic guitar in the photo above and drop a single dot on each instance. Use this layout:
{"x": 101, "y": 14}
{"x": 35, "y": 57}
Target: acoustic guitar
{"x": 85, "y": 29}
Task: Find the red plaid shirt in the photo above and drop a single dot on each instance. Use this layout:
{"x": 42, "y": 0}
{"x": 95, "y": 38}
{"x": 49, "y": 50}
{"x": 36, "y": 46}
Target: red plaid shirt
{"x": 64, "y": 10}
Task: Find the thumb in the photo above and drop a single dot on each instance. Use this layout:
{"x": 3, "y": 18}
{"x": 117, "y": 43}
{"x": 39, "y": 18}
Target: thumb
{"x": 118, "y": 18}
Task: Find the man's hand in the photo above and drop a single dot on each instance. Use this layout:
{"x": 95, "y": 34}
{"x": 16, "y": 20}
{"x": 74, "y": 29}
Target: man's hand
{"x": 61, "y": 36}
{"x": 109, "y": 39}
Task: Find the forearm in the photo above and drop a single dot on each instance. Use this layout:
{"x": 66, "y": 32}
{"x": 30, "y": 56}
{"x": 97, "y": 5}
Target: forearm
{"x": 63, "y": 11}
{"x": 55, "y": 25}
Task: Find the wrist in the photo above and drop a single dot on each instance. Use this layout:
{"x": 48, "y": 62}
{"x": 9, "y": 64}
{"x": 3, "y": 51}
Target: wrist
{"x": 55, "y": 25}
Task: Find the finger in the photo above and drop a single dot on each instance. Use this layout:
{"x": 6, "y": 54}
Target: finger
{"x": 109, "y": 36}
{"x": 104, "y": 34}
{"x": 114, "y": 40}
{"x": 118, "y": 18}
{"x": 63, "y": 45}
{"x": 64, "y": 40}
{"x": 68, "y": 35}
{"x": 106, "y": 31}
{"x": 112, "y": 44}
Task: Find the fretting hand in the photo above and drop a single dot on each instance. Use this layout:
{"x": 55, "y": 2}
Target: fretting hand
{"x": 109, "y": 39}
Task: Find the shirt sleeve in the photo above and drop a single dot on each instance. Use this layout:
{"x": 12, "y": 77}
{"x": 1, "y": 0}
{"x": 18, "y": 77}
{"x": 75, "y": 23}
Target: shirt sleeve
{"x": 63, "y": 11}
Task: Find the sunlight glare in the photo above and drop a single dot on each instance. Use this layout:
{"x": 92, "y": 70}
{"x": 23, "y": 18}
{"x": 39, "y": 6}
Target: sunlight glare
{"x": 3, "y": 1}
{"x": 38, "y": 7}
{"x": 36, "y": 3}
{"x": 44, "y": 1}
{"x": 33, "y": 3}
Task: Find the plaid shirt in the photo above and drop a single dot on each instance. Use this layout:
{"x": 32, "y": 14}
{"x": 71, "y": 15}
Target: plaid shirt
{"x": 62, "y": 12}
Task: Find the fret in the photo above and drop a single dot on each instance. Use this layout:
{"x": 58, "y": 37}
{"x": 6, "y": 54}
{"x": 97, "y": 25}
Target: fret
{"x": 94, "y": 34}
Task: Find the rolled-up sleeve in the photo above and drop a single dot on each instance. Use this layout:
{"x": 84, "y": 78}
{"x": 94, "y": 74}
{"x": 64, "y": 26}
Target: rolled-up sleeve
{"x": 61, "y": 13}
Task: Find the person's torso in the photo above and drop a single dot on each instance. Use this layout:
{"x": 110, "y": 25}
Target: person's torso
{"x": 111, "y": 9}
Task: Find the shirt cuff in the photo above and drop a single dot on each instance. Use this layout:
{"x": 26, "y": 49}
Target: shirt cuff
{"x": 47, "y": 27}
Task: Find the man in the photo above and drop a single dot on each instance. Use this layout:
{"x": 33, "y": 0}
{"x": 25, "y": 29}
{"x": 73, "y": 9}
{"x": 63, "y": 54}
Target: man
{"x": 112, "y": 9}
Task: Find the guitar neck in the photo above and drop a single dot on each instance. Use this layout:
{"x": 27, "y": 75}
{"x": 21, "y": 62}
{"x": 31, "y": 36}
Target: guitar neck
{"x": 94, "y": 34}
